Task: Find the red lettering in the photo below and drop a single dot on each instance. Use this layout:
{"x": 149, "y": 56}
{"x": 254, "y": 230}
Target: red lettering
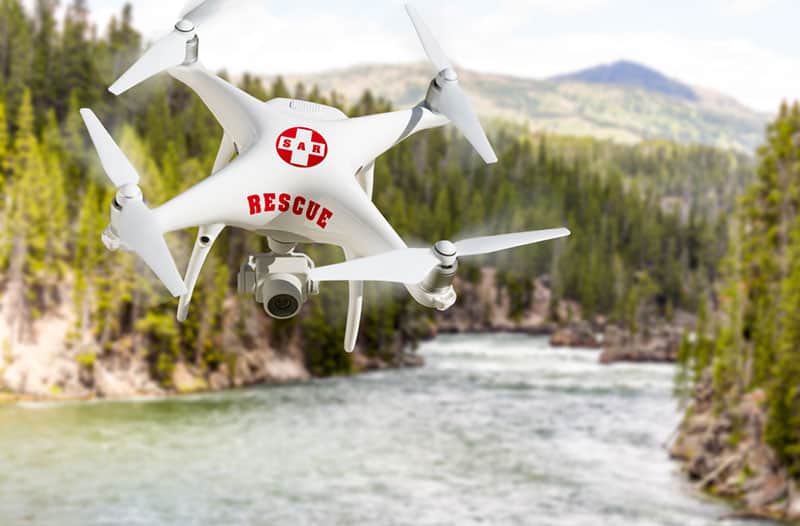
{"x": 324, "y": 217}
{"x": 311, "y": 211}
{"x": 301, "y": 147}
{"x": 299, "y": 204}
{"x": 255, "y": 204}
{"x": 287, "y": 143}
{"x": 269, "y": 202}
{"x": 283, "y": 202}
{"x": 317, "y": 149}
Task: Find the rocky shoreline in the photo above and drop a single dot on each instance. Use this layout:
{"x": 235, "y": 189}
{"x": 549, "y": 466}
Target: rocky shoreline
{"x": 51, "y": 361}
{"x": 47, "y": 367}
{"x": 724, "y": 453}
{"x": 660, "y": 343}
{"x": 485, "y": 310}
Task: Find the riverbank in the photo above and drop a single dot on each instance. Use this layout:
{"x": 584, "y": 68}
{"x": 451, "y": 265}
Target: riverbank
{"x": 659, "y": 342}
{"x": 53, "y": 359}
{"x": 723, "y": 452}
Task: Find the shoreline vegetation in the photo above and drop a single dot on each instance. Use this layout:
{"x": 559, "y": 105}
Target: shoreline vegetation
{"x": 741, "y": 436}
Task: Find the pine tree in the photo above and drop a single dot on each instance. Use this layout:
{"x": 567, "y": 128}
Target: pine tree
{"x": 28, "y": 217}
{"x": 45, "y": 56}
{"x": 78, "y": 71}
{"x": 5, "y": 198}
{"x": 16, "y": 54}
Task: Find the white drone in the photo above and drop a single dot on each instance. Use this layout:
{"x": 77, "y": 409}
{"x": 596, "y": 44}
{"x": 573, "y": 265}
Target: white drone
{"x": 302, "y": 173}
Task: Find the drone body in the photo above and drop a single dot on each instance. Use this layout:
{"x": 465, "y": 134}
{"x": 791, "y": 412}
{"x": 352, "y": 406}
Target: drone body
{"x": 302, "y": 174}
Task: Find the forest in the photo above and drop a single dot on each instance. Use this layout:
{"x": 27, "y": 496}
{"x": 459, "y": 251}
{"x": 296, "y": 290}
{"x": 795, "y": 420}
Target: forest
{"x": 649, "y": 221}
{"x": 752, "y": 344}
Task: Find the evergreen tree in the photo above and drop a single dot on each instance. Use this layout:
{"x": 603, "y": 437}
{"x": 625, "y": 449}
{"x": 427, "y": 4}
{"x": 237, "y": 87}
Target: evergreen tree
{"x": 16, "y": 53}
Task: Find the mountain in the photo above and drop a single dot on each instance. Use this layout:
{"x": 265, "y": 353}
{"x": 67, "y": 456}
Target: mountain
{"x": 633, "y": 75}
{"x": 623, "y": 102}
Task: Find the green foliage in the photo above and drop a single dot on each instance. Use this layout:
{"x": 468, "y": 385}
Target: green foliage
{"x": 756, "y": 345}
{"x": 322, "y": 338}
{"x": 164, "y": 347}
{"x": 86, "y": 359}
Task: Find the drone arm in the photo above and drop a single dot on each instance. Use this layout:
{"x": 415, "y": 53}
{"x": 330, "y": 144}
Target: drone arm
{"x": 205, "y": 240}
{"x": 366, "y": 178}
{"x": 378, "y": 133}
{"x": 227, "y": 149}
{"x": 233, "y": 108}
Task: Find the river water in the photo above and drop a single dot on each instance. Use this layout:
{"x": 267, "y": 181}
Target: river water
{"x": 494, "y": 430}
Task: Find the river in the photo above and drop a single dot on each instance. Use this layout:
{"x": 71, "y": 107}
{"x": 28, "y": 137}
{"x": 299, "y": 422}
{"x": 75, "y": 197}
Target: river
{"x": 493, "y": 430}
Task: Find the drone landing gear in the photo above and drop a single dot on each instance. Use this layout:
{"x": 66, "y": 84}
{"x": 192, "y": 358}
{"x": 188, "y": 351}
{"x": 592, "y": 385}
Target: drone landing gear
{"x": 206, "y": 238}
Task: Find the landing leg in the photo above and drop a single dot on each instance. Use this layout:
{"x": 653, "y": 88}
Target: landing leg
{"x": 205, "y": 240}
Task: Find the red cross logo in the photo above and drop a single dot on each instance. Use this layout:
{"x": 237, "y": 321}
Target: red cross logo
{"x": 302, "y": 147}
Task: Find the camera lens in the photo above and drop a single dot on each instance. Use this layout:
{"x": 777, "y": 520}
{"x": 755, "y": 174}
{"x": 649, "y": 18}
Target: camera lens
{"x": 283, "y": 306}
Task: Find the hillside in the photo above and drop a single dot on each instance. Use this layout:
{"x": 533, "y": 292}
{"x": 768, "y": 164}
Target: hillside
{"x": 627, "y": 112}
{"x": 631, "y": 74}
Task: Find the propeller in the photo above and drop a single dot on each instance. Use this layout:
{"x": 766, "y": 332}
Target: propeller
{"x": 413, "y": 265}
{"x": 174, "y": 49}
{"x": 446, "y": 96}
{"x": 136, "y": 226}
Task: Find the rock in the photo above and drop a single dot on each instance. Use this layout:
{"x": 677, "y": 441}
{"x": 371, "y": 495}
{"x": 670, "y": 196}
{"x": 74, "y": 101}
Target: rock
{"x": 185, "y": 381}
{"x": 284, "y": 370}
{"x": 220, "y": 379}
{"x": 659, "y": 346}
{"x": 115, "y": 382}
{"x": 412, "y": 360}
{"x": 744, "y": 468}
{"x": 765, "y": 491}
{"x": 576, "y": 335}
{"x": 793, "y": 505}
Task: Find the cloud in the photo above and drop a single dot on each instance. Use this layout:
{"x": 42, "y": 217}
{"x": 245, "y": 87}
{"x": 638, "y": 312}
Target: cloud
{"x": 313, "y": 36}
{"x": 744, "y": 7}
{"x": 559, "y": 7}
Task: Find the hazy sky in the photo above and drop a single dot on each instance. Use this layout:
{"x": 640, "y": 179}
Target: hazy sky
{"x": 746, "y": 48}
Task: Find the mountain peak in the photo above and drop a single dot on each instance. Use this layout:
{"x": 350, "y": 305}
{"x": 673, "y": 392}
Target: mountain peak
{"x": 632, "y": 74}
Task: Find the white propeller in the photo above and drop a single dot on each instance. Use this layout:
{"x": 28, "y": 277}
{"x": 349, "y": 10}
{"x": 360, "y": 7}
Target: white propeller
{"x": 116, "y": 165}
{"x": 136, "y": 225}
{"x": 446, "y": 96}
{"x": 174, "y": 49}
{"x": 412, "y": 265}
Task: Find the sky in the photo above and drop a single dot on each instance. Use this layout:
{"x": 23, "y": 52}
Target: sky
{"x": 749, "y": 49}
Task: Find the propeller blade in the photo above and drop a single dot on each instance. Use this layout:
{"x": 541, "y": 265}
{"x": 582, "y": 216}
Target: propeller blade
{"x": 455, "y": 105}
{"x": 409, "y": 265}
{"x": 452, "y": 101}
{"x": 169, "y": 52}
{"x": 432, "y": 48}
{"x": 201, "y": 11}
{"x": 487, "y": 245}
{"x": 116, "y": 165}
{"x": 137, "y": 227}
{"x": 412, "y": 265}
{"x": 139, "y": 230}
